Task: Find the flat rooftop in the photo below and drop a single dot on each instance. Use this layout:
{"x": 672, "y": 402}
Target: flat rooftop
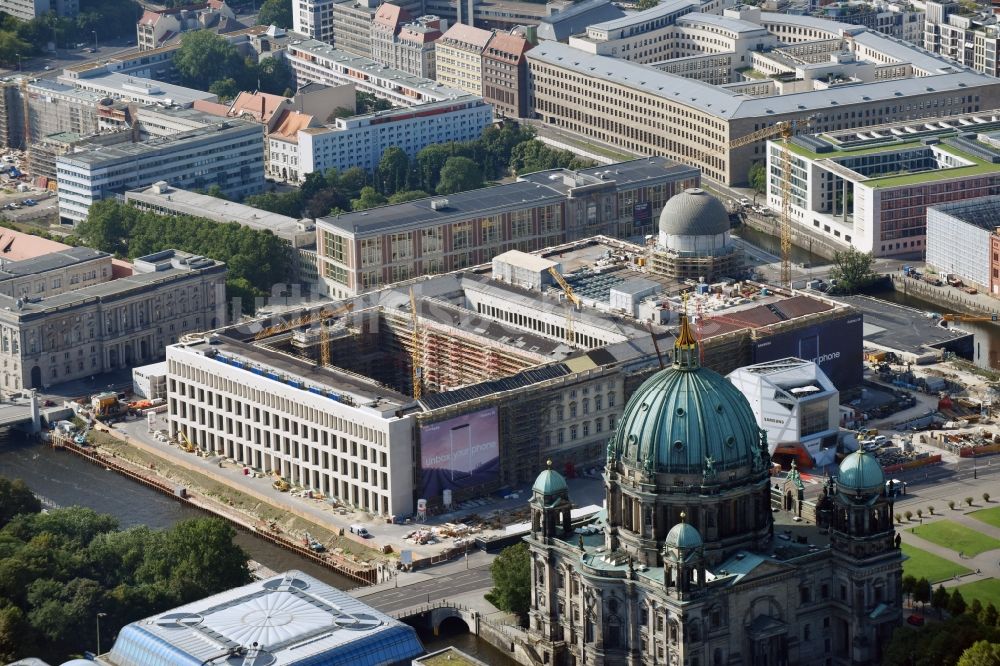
{"x": 49, "y": 262}
{"x": 371, "y": 69}
{"x": 723, "y": 103}
{"x": 100, "y": 155}
{"x": 901, "y": 328}
{"x": 419, "y": 213}
{"x": 202, "y": 205}
{"x": 289, "y": 619}
{"x": 983, "y": 212}
{"x": 150, "y": 90}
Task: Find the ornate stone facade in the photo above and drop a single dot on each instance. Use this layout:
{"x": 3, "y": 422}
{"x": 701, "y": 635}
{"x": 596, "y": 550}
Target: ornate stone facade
{"x": 688, "y": 565}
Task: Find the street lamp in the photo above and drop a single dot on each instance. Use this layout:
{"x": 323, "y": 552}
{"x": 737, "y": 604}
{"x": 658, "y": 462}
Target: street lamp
{"x": 94, "y": 33}
{"x": 99, "y": 616}
{"x": 18, "y": 61}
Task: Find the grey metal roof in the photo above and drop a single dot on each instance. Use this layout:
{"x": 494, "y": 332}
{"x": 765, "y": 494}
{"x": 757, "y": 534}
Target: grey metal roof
{"x": 630, "y": 19}
{"x": 49, "y": 262}
{"x": 460, "y": 206}
{"x": 724, "y": 22}
{"x": 485, "y": 389}
{"x": 693, "y": 212}
{"x": 635, "y": 286}
{"x": 728, "y": 105}
{"x": 559, "y": 26}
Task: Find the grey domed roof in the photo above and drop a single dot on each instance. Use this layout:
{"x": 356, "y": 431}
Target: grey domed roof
{"x": 683, "y": 535}
{"x": 550, "y": 482}
{"x": 694, "y": 212}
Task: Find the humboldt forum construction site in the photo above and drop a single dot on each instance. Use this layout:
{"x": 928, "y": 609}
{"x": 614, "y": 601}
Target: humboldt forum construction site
{"x": 454, "y": 386}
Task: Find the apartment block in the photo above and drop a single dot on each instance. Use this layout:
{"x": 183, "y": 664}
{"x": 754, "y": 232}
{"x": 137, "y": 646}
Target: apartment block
{"x": 158, "y": 27}
{"x": 359, "y": 252}
{"x": 459, "y": 58}
{"x": 79, "y": 321}
{"x": 313, "y": 61}
{"x": 224, "y": 152}
{"x": 405, "y": 45}
{"x": 505, "y": 74}
{"x": 872, "y": 188}
{"x": 359, "y": 141}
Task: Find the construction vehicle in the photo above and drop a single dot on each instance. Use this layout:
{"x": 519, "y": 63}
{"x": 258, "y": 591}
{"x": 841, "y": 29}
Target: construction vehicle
{"x": 962, "y": 317}
{"x": 280, "y": 484}
{"x": 572, "y": 298}
{"x": 415, "y": 355}
{"x": 107, "y": 405}
{"x": 785, "y": 129}
{"x": 185, "y": 443}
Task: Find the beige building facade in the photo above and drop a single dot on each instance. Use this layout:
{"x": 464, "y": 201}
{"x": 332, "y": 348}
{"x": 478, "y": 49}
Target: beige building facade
{"x": 459, "y": 57}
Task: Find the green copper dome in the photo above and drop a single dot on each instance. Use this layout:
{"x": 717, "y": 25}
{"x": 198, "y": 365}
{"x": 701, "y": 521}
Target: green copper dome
{"x": 550, "y": 482}
{"x": 688, "y": 420}
{"x": 683, "y": 535}
{"x": 860, "y": 471}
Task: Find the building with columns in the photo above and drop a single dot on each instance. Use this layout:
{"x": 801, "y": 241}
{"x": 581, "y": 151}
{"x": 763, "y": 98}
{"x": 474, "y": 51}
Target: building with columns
{"x": 690, "y": 566}
{"x": 68, "y": 315}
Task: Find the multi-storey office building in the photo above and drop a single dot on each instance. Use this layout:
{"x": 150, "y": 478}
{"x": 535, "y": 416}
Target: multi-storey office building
{"x": 359, "y": 141}
{"x": 361, "y": 252}
{"x": 314, "y": 61}
{"x": 97, "y": 324}
{"x": 314, "y": 18}
{"x": 300, "y": 235}
{"x": 225, "y": 152}
{"x": 646, "y": 110}
{"x": 459, "y": 57}
{"x": 504, "y": 384}
{"x": 871, "y": 188}
{"x": 385, "y": 25}
{"x": 27, "y": 10}
{"x": 505, "y": 74}
{"x": 897, "y": 19}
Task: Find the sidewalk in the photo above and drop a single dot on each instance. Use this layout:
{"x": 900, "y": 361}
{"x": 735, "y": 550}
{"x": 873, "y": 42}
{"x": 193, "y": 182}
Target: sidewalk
{"x": 982, "y": 566}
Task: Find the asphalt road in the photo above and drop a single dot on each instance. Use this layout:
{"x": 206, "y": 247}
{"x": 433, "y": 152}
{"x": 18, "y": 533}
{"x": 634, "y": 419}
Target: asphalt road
{"x": 439, "y": 587}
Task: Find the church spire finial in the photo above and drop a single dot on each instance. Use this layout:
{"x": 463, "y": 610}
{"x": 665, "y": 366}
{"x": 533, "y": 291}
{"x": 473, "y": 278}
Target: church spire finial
{"x": 686, "y": 345}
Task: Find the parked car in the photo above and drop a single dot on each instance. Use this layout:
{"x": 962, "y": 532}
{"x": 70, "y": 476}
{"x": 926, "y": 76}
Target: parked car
{"x": 361, "y": 531}
{"x": 29, "y": 202}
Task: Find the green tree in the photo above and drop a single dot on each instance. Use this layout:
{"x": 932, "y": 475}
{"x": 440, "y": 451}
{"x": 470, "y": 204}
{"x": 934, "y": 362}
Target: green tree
{"x": 225, "y": 89}
{"x": 853, "y": 270}
{"x": 273, "y": 75}
{"x": 393, "y": 170}
{"x": 323, "y": 202}
{"x": 511, "y": 572}
{"x": 430, "y": 160}
{"x": 204, "y": 57}
{"x": 976, "y": 608}
{"x": 106, "y": 226}
{"x": 16, "y": 499}
{"x": 956, "y": 605}
{"x": 369, "y": 198}
{"x": 10, "y": 46}
{"x": 757, "y": 177}
{"x": 940, "y": 600}
{"x": 909, "y": 585}
{"x": 990, "y": 615}
{"x": 981, "y": 653}
{"x": 276, "y": 12}
{"x": 288, "y": 203}
{"x": 922, "y": 592}
{"x": 352, "y": 181}
{"x": 407, "y": 195}
{"x": 459, "y": 174}
{"x": 646, "y": 4}
{"x": 936, "y": 644}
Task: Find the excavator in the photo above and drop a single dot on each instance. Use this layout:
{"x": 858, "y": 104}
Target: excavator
{"x": 185, "y": 443}
{"x": 280, "y": 484}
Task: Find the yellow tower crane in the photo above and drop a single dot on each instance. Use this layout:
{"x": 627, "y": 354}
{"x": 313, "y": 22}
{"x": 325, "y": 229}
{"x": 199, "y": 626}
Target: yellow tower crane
{"x": 572, "y": 298}
{"x": 415, "y": 356}
{"x": 785, "y": 129}
{"x": 318, "y": 318}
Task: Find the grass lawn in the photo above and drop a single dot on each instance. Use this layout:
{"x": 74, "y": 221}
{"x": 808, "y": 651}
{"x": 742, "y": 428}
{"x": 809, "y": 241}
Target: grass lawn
{"x": 985, "y": 590}
{"x": 951, "y": 535}
{"x": 988, "y": 516}
{"x": 922, "y": 564}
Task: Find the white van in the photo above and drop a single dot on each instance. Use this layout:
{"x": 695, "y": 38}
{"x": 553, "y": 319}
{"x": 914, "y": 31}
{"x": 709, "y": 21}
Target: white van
{"x": 361, "y": 531}
{"x": 880, "y": 439}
